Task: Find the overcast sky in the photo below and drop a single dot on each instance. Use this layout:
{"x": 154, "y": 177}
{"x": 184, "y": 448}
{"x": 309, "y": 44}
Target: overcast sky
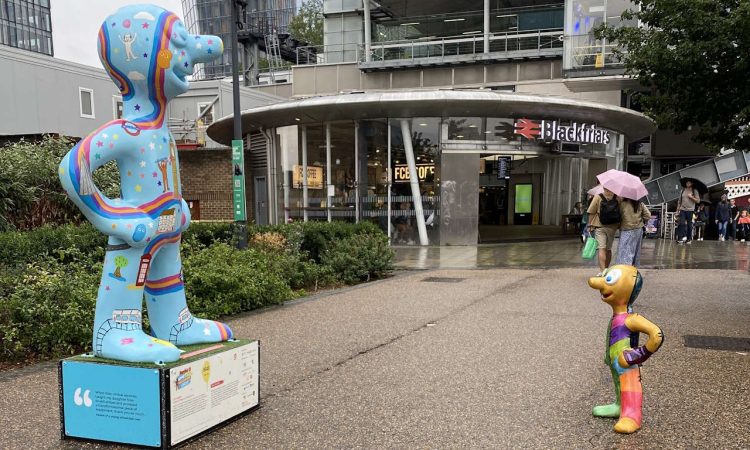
{"x": 75, "y": 25}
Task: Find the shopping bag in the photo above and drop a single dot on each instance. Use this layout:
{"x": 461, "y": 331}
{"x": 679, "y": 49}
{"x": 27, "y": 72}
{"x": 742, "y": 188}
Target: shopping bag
{"x": 589, "y": 250}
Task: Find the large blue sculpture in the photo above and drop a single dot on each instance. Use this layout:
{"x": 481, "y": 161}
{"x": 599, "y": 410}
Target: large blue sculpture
{"x": 148, "y": 53}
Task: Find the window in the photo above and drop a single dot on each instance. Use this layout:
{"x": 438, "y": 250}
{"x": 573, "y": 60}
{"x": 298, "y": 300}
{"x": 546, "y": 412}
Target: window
{"x": 86, "y": 97}
{"x": 208, "y": 119}
{"x": 117, "y": 106}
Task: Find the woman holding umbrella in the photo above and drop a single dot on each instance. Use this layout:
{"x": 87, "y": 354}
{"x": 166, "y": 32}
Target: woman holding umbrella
{"x": 689, "y": 198}
{"x": 623, "y": 187}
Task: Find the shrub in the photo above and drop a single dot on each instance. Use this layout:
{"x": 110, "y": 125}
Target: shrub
{"x": 359, "y": 258}
{"x": 30, "y": 191}
{"x": 22, "y": 247}
{"x": 221, "y": 280}
{"x": 50, "y": 310}
{"x": 317, "y": 236}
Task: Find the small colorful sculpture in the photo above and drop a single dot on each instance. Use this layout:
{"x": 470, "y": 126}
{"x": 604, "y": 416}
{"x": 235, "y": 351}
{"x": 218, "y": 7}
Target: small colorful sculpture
{"x": 620, "y": 286}
{"x": 148, "y": 53}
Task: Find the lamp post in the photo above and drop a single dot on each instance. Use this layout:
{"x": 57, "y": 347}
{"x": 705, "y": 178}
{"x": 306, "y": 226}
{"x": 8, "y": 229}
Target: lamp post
{"x": 238, "y": 145}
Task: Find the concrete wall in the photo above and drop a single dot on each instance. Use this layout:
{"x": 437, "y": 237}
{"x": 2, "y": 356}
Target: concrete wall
{"x": 328, "y": 79}
{"x": 40, "y": 95}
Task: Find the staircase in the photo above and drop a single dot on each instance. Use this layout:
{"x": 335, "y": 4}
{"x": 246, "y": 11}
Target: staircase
{"x": 712, "y": 172}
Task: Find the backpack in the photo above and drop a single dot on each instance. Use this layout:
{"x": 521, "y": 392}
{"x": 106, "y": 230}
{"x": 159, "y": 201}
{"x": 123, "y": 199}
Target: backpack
{"x": 609, "y": 211}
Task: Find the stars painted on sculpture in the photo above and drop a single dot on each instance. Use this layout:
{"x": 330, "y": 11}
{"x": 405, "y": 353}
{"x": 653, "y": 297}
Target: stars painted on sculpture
{"x": 111, "y": 145}
{"x": 209, "y": 51}
{"x": 206, "y": 331}
{"x": 151, "y": 225}
{"x": 105, "y": 136}
{"x": 143, "y": 150}
{"x": 61, "y": 171}
{"x": 137, "y": 107}
{"x": 130, "y": 226}
{"x": 98, "y": 156}
{"x": 210, "y": 42}
{"x": 197, "y": 37}
{"x": 138, "y": 188}
{"x": 99, "y": 143}
{"x": 142, "y": 163}
{"x": 158, "y": 183}
{"x": 144, "y": 26}
{"x": 130, "y": 174}
{"x": 152, "y": 146}
{"x": 145, "y": 55}
{"x": 186, "y": 64}
{"x": 143, "y": 176}
{"x": 164, "y": 140}
{"x": 198, "y": 46}
{"x": 115, "y": 136}
{"x": 154, "y": 174}
{"x": 114, "y": 226}
{"x": 182, "y": 53}
{"x": 107, "y": 288}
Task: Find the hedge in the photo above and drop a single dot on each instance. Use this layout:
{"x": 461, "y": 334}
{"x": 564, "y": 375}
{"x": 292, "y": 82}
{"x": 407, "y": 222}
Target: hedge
{"x": 49, "y": 276}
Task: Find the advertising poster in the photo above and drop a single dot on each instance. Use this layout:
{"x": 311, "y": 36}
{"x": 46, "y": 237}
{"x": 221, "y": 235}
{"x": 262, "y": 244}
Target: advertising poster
{"x": 207, "y": 392}
{"x": 99, "y": 405}
{"x": 523, "y": 198}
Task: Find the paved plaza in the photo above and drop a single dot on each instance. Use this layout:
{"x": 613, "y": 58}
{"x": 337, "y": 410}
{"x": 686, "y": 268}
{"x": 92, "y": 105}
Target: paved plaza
{"x": 495, "y": 358}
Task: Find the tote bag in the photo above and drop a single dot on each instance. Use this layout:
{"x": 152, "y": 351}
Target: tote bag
{"x": 589, "y": 250}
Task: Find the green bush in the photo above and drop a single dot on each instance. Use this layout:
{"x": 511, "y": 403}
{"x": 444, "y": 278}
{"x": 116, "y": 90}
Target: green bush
{"x": 221, "y": 280}
{"x": 318, "y": 236}
{"x": 22, "y": 247}
{"x": 50, "y": 310}
{"x": 359, "y": 258}
{"x": 30, "y": 191}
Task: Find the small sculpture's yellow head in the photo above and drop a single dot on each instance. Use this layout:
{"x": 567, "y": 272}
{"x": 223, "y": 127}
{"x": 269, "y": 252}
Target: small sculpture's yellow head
{"x": 619, "y": 285}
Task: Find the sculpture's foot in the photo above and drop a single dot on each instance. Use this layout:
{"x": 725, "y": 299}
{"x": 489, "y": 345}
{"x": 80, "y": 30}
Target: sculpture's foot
{"x": 626, "y": 425}
{"x": 200, "y": 331}
{"x": 611, "y": 410}
{"x": 135, "y": 346}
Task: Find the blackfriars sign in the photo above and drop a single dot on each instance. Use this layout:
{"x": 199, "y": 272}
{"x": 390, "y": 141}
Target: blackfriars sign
{"x": 552, "y": 130}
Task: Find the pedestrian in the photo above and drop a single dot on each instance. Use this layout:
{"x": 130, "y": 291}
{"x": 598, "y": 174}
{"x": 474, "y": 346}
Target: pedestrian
{"x": 743, "y": 226}
{"x": 634, "y": 215}
{"x": 685, "y": 207}
{"x": 723, "y": 215}
{"x": 701, "y": 218}
{"x": 585, "y": 220}
{"x": 577, "y": 210}
{"x": 604, "y": 220}
{"x": 734, "y": 216}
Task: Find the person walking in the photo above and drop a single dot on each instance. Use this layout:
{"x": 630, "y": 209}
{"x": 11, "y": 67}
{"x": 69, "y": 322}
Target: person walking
{"x": 685, "y": 207}
{"x": 634, "y": 215}
{"x": 723, "y": 215}
{"x": 701, "y": 218}
{"x": 743, "y": 226}
{"x": 604, "y": 220}
{"x": 734, "y": 216}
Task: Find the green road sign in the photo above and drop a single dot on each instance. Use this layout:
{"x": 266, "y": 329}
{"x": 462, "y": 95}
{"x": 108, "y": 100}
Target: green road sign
{"x": 238, "y": 180}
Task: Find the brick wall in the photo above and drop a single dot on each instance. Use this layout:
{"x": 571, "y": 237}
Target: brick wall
{"x": 207, "y": 177}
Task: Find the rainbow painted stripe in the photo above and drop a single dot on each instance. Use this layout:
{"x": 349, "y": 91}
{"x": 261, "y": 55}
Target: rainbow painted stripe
{"x": 166, "y": 285}
{"x": 225, "y": 331}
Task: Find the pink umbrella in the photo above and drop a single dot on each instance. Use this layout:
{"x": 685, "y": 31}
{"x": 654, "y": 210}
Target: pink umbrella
{"x": 623, "y": 184}
{"x": 596, "y": 190}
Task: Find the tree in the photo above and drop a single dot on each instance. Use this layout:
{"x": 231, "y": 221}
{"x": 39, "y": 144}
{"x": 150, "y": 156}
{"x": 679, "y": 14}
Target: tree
{"x": 120, "y": 263}
{"x": 307, "y": 25}
{"x": 693, "y": 59}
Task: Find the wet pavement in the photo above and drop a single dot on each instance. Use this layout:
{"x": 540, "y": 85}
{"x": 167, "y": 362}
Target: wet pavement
{"x": 497, "y": 358}
{"x": 656, "y": 254}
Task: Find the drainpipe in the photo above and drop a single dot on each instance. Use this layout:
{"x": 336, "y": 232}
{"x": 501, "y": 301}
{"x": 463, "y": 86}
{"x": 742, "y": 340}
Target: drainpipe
{"x": 368, "y": 31}
{"x": 486, "y": 26}
{"x": 329, "y": 186}
{"x": 304, "y": 172}
{"x": 414, "y": 182}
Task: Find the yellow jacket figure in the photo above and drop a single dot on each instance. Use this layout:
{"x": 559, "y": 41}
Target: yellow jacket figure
{"x": 619, "y": 286}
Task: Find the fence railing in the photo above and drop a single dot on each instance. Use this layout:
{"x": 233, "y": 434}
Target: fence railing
{"x": 452, "y": 46}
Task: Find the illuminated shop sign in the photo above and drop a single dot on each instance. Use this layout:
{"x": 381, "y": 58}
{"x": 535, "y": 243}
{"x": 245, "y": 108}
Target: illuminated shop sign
{"x": 401, "y": 172}
{"x": 314, "y": 177}
{"x": 552, "y": 130}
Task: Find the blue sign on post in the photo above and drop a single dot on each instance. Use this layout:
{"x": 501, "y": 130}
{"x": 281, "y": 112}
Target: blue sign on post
{"x": 98, "y": 405}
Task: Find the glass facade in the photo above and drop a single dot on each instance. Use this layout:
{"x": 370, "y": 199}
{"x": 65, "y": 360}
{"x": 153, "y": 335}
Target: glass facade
{"x": 215, "y": 17}
{"x": 427, "y": 180}
{"x": 26, "y": 24}
{"x": 583, "y": 51}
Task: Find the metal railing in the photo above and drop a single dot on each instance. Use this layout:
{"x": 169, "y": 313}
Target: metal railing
{"x": 327, "y": 54}
{"x": 452, "y": 46}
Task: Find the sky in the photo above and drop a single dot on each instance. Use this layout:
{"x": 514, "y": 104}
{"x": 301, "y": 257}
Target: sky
{"x": 75, "y": 25}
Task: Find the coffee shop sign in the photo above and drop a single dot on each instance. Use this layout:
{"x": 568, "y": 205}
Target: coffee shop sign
{"x": 552, "y": 130}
